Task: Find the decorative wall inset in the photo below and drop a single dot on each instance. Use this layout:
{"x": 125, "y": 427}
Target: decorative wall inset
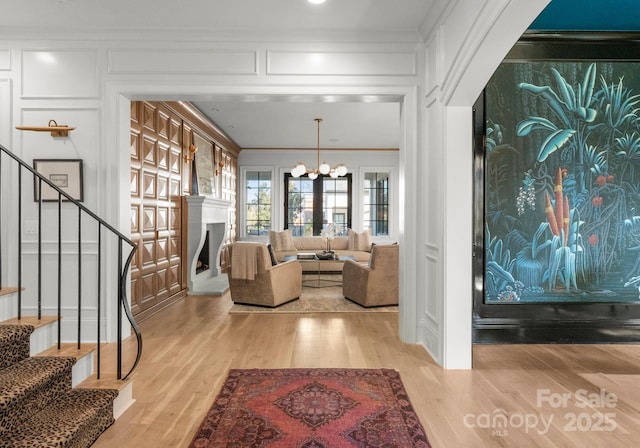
{"x": 60, "y": 74}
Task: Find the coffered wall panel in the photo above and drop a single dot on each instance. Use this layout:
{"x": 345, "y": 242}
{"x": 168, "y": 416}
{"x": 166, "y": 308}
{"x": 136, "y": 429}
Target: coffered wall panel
{"x": 158, "y": 135}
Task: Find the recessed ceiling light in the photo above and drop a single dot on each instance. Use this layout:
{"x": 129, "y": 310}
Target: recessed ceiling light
{"x": 316, "y": 2}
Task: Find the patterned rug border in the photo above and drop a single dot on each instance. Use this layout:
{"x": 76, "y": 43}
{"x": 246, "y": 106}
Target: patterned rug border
{"x": 215, "y": 415}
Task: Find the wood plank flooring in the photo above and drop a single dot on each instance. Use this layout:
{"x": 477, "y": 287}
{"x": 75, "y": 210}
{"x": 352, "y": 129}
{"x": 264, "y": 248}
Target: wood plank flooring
{"x": 512, "y": 397}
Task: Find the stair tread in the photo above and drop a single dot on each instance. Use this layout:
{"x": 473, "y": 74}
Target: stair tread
{"x": 69, "y": 349}
{"x": 14, "y": 341}
{"x": 8, "y": 290}
{"x": 109, "y": 383}
{"x": 10, "y": 332}
{"x": 19, "y": 379}
{"x": 31, "y": 320}
{"x": 80, "y": 415}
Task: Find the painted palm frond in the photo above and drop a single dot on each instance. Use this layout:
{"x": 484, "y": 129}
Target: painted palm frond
{"x": 619, "y": 105}
{"x": 629, "y": 152}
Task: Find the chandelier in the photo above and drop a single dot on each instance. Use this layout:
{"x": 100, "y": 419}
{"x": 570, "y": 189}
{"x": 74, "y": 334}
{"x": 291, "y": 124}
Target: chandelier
{"x": 323, "y": 168}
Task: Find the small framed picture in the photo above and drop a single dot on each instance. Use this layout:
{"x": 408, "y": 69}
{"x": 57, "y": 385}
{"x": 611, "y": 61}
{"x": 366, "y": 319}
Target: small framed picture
{"x": 66, "y": 174}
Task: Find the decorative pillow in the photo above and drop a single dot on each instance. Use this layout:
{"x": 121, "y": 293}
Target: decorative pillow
{"x": 282, "y": 241}
{"x": 359, "y": 241}
{"x": 272, "y": 254}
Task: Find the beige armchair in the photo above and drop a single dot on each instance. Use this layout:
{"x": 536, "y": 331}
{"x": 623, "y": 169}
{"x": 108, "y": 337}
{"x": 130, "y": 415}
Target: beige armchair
{"x": 254, "y": 281}
{"x": 375, "y": 284}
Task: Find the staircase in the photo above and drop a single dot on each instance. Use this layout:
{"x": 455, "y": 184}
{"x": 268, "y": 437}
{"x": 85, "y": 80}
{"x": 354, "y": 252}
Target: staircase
{"x": 38, "y": 406}
{"x": 53, "y": 392}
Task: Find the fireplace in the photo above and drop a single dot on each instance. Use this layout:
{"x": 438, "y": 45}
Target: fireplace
{"x": 202, "y": 264}
{"x": 206, "y": 228}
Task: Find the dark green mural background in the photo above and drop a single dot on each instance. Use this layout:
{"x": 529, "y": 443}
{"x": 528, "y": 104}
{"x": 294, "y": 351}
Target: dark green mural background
{"x": 562, "y": 182}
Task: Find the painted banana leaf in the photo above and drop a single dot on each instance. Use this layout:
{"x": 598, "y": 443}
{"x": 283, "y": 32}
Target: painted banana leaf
{"x": 534, "y": 123}
{"x": 554, "y": 142}
{"x": 552, "y": 98}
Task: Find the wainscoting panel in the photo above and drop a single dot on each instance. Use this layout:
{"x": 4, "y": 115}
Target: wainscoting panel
{"x": 5, "y": 112}
{"x": 5, "y": 59}
{"x": 341, "y": 63}
{"x": 206, "y": 62}
{"x": 60, "y": 74}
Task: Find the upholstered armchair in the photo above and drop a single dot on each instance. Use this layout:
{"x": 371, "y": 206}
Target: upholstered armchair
{"x": 375, "y": 284}
{"x": 254, "y": 281}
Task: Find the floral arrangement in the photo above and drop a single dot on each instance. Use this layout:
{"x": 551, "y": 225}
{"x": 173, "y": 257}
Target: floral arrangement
{"x": 329, "y": 233}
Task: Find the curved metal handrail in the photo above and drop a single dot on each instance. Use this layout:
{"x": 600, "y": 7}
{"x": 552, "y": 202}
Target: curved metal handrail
{"x": 122, "y": 269}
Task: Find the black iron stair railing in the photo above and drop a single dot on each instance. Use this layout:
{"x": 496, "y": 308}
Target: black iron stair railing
{"x": 123, "y": 258}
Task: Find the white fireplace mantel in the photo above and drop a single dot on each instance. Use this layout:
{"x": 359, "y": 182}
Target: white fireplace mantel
{"x": 205, "y": 213}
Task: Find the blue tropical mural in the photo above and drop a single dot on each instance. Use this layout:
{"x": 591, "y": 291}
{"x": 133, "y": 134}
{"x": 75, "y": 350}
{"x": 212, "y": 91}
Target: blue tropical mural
{"x": 562, "y": 182}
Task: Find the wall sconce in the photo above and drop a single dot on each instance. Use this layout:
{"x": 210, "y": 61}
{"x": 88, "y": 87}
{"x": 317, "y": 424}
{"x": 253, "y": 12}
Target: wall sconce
{"x": 53, "y": 127}
{"x": 192, "y": 153}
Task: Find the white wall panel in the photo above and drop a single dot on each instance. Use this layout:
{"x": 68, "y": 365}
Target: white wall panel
{"x": 339, "y": 63}
{"x": 60, "y": 74}
{"x": 5, "y": 112}
{"x": 82, "y": 143}
{"x": 5, "y": 59}
{"x": 459, "y": 24}
{"x": 206, "y": 62}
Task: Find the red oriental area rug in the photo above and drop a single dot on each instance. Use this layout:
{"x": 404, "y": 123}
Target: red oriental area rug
{"x": 312, "y": 408}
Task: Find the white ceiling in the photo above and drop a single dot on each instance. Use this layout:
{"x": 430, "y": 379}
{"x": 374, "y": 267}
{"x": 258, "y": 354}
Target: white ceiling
{"x": 207, "y": 15}
{"x": 291, "y": 124}
{"x": 264, "y": 122}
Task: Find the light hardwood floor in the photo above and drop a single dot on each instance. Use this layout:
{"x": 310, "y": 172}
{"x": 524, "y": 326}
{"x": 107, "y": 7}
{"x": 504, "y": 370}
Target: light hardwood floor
{"x": 189, "y": 348}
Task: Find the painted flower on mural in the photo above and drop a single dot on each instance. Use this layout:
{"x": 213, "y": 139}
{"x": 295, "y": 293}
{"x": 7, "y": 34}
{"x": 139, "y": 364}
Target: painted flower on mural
{"x": 597, "y": 201}
{"x": 601, "y": 180}
{"x": 526, "y": 194}
{"x": 610, "y": 178}
{"x": 593, "y": 239}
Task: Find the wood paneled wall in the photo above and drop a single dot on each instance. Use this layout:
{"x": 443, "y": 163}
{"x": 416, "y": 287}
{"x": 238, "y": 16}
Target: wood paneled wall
{"x": 160, "y": 175}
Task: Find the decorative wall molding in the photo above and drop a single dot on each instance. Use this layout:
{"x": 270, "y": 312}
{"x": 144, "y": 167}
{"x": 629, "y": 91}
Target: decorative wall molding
{"x": 5, "y": 60}
{"x": 193, "y": 62}
{"x": 341, "y": 63}
{"x": 60, "y": 73}
{"x": 430, "y": 337}
{"x": 5, "y": 113}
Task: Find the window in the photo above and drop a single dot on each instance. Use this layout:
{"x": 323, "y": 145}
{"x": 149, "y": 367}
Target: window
{"x": 258, "y": 202}
{"x": 376, "y": 203}
{"x": 312, "y": 204}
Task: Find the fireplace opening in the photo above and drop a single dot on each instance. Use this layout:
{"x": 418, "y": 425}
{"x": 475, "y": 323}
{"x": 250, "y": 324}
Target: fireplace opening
{"x": 203, "y": 258}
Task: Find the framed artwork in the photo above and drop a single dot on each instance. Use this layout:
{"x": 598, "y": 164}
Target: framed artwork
{"x": 66, "y": 174}
{"x": 556, "y": 181}
{"x": 204, "y": 160}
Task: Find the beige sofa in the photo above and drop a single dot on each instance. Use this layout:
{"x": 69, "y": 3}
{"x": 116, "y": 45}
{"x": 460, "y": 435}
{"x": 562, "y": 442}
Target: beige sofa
{"x": 359, "y": 247}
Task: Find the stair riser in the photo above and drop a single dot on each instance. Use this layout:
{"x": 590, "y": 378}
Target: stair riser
{"x": 8, "y": 306}
{"x": 44, "y": 337}
{"x": 123, "y": 401}
{"x": 82, "y": 369}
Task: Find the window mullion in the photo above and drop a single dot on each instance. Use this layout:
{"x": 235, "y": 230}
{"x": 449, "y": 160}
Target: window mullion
{"x": 318, "y": 204}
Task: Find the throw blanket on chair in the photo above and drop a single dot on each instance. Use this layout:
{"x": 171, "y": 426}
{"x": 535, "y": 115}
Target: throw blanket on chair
{"x": 244, "y": 261}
